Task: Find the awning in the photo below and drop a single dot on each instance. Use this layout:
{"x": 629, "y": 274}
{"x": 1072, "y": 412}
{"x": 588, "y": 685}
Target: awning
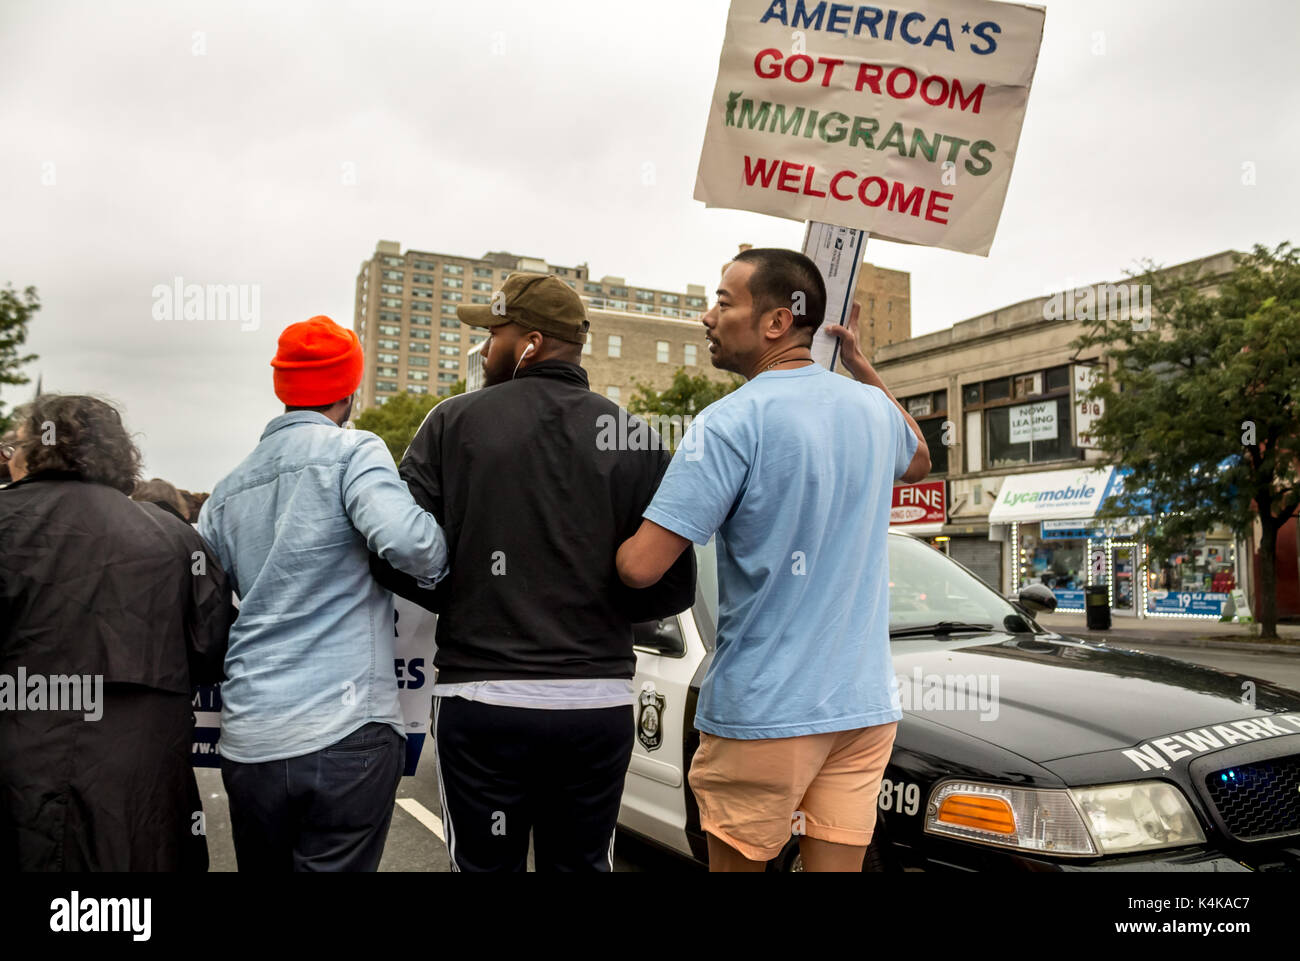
{"x": 1051, "y": 495}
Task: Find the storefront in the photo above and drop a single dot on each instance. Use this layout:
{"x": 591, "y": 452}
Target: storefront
{"x": 1054, "y": 539}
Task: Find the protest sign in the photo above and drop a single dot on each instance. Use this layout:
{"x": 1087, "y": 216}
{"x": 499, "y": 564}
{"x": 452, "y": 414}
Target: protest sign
{"x": 900, "y": 122}
{"x": 413, "y": 650}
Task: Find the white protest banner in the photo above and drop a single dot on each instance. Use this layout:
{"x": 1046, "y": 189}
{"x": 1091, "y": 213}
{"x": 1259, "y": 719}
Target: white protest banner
{"x": 413, "y": 650}
{"x": 900, "y": 122}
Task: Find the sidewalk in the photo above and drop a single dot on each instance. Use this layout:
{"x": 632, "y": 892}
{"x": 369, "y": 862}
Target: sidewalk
{"x": 1187, "y": 632}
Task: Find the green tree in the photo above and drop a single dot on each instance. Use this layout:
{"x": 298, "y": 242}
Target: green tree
{"x": 686, "y": 395}
{"x": 15, "y": 312}
{"x": 1209, "y": 379}
{"x": 398, "y": 418}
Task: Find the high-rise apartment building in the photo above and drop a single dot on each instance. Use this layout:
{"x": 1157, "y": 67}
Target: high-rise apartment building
{"x": 405, "y": 315}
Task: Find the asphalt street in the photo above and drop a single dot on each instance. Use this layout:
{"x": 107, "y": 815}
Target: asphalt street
{"x": 415, "y": 840}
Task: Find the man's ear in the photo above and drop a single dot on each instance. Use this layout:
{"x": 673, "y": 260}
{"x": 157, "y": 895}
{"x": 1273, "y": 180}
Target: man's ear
{"x": 777, "y": 322}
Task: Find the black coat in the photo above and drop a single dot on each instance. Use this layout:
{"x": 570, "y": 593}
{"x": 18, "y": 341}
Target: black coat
{"x": 93, "y": 583}
{"x": 530, "y": 479}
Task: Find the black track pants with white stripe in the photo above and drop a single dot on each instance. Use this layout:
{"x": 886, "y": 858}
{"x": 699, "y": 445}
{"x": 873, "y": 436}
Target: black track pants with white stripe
{"x": 506, "y": 771}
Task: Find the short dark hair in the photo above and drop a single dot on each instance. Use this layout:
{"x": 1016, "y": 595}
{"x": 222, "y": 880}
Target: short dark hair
{"x": 85, "y": 435}
{"x": 778, "y": 276}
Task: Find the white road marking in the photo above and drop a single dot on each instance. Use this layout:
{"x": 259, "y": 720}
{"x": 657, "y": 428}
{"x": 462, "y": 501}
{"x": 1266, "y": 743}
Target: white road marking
{"x": 422, "y": 814}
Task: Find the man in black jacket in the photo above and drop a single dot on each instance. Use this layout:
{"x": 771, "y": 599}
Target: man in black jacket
{"x": 533, "y": 701}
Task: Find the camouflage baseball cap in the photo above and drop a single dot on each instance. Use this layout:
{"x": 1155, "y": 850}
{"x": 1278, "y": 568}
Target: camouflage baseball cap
{"x": 535, "y": 301}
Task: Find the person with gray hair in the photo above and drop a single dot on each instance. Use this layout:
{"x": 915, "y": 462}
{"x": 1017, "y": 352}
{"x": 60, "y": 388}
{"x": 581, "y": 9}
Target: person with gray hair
{"x": 111, "y": 611}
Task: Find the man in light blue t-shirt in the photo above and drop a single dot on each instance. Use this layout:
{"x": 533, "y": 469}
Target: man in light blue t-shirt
{"x": 794, "y": 473}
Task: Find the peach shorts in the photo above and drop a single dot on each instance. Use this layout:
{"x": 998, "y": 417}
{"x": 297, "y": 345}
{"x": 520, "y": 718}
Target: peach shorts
{"x": 753, "y": 794}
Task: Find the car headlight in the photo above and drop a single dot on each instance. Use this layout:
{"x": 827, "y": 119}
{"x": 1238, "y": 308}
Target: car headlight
{"x": 1043, "y": 821}
{"x": 1139, "y": 816}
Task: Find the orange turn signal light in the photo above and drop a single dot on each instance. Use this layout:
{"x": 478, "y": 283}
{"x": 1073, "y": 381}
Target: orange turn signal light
{"x": 982, "y": 811}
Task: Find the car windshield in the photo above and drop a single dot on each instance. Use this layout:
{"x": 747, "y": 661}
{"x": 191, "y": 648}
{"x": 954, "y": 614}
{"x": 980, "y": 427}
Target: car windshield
{"x": 925, "y": 588}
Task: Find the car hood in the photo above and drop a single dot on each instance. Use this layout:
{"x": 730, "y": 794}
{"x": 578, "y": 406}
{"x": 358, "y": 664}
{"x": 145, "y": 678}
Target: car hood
{"x": 1050, "y": 696}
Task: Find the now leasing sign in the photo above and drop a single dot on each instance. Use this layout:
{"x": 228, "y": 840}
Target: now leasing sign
{"x": 899, "y": 121}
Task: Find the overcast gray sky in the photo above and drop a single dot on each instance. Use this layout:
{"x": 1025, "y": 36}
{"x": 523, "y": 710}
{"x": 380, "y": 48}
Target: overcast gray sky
{"x": 528, "y": 126}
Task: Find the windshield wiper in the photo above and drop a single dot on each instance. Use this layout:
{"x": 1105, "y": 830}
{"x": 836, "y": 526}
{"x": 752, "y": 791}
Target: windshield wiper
{"x": 942, "y": 627}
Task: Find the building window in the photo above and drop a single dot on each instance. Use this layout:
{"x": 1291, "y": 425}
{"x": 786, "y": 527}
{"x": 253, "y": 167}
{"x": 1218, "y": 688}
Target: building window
{"x": 688, "y": 355}
{"x": 386, "y": 371}
{"x": 618, "y": 291}
{"x": 392, "y": 330}
{"x": 452, "y": 295}
{"x": 420, "y": 307}
{"x": 477, "y": 339}
{"x": 447, "y": 378}
{"x": 386, "y": 315}
{"x": 481, "y": 285}
{"x": 421, "y": 335}
{"x": 586, "y": 348}
{"x": 618, "y": 305}
{"x": 453, "y": 338}
{"x": 393, "y": 275}
{"x": 671, "y": 299}
{"x": 419, "y": 321}
{"x": 422, "y": 348}
{"x": 424, "y": 265}
{"x": 417, "y": 362}
{"x": 1020, "y": 420}
{"x": 422, "y": 279}
{"x": 478, "y": 298}
{"x": 591, "y": 288}
{"x": 661, "y": 351}
{"x": 450, "y": 324}
{"x": 645, "y": 296}
{"x": 614, "y": 394}
{"x": 386, "y": 385}
{"x": 388, "y": 344}
{"x": 417, "y": 375}
{"x": 696, "y": 302}
{"x": 386, "y": 358}
{"x": 448, "y": 310}
{"x": 454, "y": 269}
{"x": 417, "y": 389}
{"x": 615, "y": 345}
{"x": 449, "y": 364}
{"x": 391, "y": 288}
{"x": 393, "y": 261}
{"x": 390, "y": 302}
{"x": 453, "y": 282}
{"x": 482, "y": 271}
{"x": 449, "y": 351}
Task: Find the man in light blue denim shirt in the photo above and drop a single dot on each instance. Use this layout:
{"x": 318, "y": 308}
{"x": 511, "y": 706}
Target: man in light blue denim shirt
{"x": 312, "y": 739}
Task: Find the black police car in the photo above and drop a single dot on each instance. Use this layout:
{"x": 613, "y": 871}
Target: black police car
{"x": 1019, "y": 748}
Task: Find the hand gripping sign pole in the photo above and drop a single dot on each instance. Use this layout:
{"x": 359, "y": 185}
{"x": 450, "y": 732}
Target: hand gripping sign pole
{"x": 837, "y": 252}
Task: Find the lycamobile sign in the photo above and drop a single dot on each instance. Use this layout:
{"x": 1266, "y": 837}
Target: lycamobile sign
{"x": 1084, "y": 492}
{"x": 1051, "y": 495}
